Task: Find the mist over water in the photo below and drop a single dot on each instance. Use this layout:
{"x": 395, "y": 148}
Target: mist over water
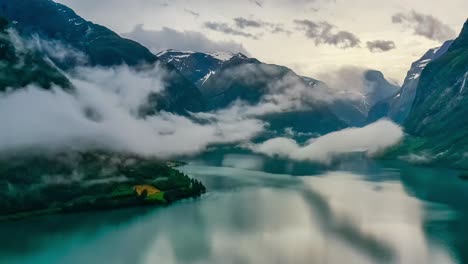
{"x": 361, "y": 212}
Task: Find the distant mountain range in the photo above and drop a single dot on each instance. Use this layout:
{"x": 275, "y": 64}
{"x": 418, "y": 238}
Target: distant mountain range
{"x": 224, "y": 78}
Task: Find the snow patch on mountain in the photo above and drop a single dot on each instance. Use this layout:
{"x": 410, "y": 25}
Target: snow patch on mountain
{"x": 462, "y": 87}
{"x": 222, "y": 56}
{"x": 204, "y": 79}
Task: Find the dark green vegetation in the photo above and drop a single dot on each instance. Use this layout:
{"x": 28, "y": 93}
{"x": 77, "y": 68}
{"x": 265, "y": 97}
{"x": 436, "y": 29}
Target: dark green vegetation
{"x": 38, "y": 184}
{"x": 438, "y": 116}
{"x": 19, "y": 68}
{"x": 102, "y": 47}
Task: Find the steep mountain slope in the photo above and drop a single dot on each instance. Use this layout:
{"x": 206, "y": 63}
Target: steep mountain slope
{"x": 55, "y": 21}
{"x": 398, "y": 106}
{"x": 102, "y": 46}
{"x": 244, "y": 80}
{"x": 438, "y": 115}
{"x": 19, "y": 68}
{"x": 441, "y": 93}
{"x": 349, "y": 112}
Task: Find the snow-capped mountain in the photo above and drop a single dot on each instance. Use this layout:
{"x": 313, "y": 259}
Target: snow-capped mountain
{"x": 399, "y": 105}
{"x": 198, "y": 67}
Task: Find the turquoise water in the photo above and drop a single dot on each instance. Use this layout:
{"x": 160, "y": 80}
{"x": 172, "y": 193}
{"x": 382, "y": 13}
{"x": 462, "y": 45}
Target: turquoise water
{"x": 260, "y": 210}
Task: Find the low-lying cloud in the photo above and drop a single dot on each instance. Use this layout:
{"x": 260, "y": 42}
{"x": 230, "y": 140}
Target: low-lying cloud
{"x": 102, "y": 114}
{"x": 167, "y": 38}
{"x": 282, "y": 91}
{"x": 323, "y": 32}
{"x": 424, "y": 25}
{"x": 371, "y": 139}
{"x": 102, "y": 111}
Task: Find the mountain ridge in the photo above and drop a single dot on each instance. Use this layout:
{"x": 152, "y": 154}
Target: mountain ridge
{"x": 437, "y": 123}
{"x": 102, "y": 46}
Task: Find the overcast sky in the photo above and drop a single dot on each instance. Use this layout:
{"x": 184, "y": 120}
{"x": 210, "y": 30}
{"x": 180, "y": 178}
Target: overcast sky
{"x": 309, "y": 36}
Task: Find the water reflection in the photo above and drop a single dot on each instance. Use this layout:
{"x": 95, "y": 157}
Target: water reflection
{"x": 359, "y": 213}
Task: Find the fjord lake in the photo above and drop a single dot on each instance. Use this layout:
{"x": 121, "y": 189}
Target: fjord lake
{"x": 265, "y": 210}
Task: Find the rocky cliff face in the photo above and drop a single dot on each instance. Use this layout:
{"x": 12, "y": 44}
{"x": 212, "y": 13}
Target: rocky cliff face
{"x": 398, "y": 106}
{"x": 440, "y": 108}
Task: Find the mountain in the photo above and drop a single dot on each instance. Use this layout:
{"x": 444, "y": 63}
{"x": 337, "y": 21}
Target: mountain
{"x": 441, "y": 91}
{"x": 349, "y": 111}
{"x": 398, "y": 106}
{"x": 225, "y": 78}
{"x": 377, "y": 88}
{"x": 354, "y": 105}
{"x": 197, "y": 67}
{"x": 21, "y": 67}
{"x": 247, "y": 80}
{"x": 252, "y": 81}
{"x": 437, "y": 120}
{"x": 102, "y": 46}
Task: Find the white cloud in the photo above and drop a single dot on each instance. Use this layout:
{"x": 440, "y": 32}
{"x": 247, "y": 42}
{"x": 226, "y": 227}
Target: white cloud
{"x": 371, "y": 139}
{"x": 425, "y": 25}
{"x": 102, "y": 113}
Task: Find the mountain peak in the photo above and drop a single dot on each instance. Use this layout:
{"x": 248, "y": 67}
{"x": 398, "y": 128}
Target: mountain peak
{"x": 222, "y": 56}
{"x": 462, "y": 40}
{"x": 373, "y": 75}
